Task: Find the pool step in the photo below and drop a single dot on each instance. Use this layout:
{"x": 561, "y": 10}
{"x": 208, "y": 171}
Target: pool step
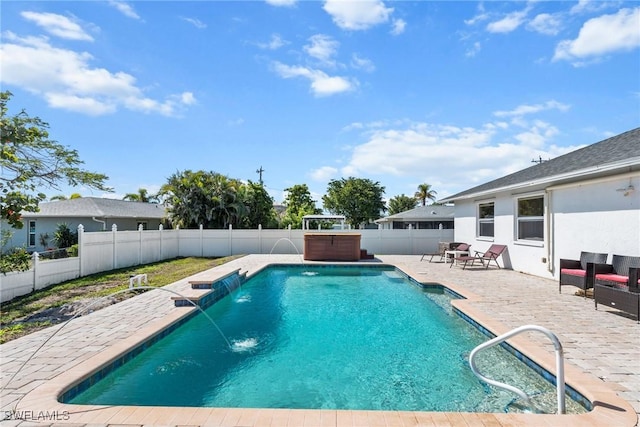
{"x": 366, "y": 255}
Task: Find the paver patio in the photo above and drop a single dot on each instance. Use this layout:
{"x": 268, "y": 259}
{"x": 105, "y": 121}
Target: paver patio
{"x": 601, "y": 349}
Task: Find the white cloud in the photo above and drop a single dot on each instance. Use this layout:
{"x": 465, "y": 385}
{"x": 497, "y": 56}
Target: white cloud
{"x": 125, "y": 8}
{"x": 324, "y": 173}
{"x": 195, "y": 22}
{"x": 399, "y": 25}
{"x": 66, "y": 80}
{"x": 357, "y": 15}
{"x": 590, "y": 6}
{"x": 321, "y": 83}
{"x": 275, "y": 43}
{"x": 322, "y": 48}
{"x": 601, "y": 36}
{"x": 473, "y": 51}
{"x": 58, "y": 25}
{"x": 545, "y": 23}
{"x": 481, "y": 16}
{"x": 537, "y": 135}
{"x": 428, "y": 152}
{"x": 360, "y": 63}
{"x": 523, "y": 110}
{"x": 509, "y": 23}
{"x": 281, "y": 3}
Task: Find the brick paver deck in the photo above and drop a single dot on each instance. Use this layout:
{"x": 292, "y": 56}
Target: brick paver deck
{"x": 602, "y": 350}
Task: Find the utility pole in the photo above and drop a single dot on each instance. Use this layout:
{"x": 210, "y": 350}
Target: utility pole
{"x": 539, "y": 160}
{"x": 259, "y": 172}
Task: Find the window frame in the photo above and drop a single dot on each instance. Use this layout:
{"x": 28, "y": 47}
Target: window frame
{"x": 518, "y": 219}
{"x": 31, "y": 233}
{"x": 481, "y": 221}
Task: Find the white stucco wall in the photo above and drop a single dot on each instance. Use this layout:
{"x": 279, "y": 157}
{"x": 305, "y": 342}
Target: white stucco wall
{"x": 593, "y": 216}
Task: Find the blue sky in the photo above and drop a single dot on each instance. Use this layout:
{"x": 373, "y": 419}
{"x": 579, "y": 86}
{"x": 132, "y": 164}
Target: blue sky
{"x": 450, "y": 93}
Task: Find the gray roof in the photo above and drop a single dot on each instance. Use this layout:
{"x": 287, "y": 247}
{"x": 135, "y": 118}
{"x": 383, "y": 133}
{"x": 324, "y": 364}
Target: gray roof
{"x": 99, "y": 208}
{"x": 422, "y": 213}
{"x": 608, "y": 157}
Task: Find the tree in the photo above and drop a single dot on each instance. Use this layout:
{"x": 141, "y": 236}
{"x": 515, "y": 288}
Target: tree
{"x": 30, "y": 161}
{"x": 259, "y": 205}
{"x": 141, "y": 196}
{"x": 63, "y": 197}
{"x": 202, "y": 198}
{"x": 358, "y": 199}
{"x": 298, "y": 203}
{"x": 401, "y": 203}
{"x": 425, "y": 193}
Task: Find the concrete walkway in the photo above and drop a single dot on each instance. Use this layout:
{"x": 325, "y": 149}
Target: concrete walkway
{"x": 602, "y": 346}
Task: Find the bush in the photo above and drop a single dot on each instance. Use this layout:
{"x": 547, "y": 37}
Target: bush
{"x": 73, "y": 250}
{"x": 64, "y": 237}
{"x": 16, "y": 259}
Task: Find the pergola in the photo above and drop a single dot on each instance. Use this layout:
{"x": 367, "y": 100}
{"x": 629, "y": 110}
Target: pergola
{"x": 307, "y": 218}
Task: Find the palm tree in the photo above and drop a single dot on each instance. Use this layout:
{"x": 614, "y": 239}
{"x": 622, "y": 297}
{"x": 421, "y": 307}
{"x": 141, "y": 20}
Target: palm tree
{"x": 141, "y": 196}
{"x": 425, "y": 192}
{"x": 63, "y": 197}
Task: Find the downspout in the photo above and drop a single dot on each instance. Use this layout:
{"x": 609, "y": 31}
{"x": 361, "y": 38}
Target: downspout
{"x": 550, "y": 235}
{"x": 104, "y": 223}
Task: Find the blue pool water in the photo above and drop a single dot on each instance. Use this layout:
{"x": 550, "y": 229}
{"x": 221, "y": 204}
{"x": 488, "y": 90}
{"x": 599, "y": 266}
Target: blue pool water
{"x": 323, "y": 338}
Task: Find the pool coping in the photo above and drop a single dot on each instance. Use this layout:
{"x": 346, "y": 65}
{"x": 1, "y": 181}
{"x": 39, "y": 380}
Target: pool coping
{"x": 608, "y": 407}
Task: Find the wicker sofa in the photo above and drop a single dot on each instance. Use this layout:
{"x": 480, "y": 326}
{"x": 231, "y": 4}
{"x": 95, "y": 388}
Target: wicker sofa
{"x": 580, "y": 273}
{"x": 616, "y": 284}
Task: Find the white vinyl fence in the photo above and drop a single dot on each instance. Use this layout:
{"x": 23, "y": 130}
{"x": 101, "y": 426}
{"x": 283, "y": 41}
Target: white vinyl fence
{"x": 103, "y": 250}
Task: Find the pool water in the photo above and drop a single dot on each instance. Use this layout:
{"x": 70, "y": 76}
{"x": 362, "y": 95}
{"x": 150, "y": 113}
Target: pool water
{"x": 366, "y": 338}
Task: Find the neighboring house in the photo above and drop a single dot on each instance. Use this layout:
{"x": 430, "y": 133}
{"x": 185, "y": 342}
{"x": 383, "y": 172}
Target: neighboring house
{"x": 95, "y": 214}
{"x": 431, "y": 217}
{"x": 586, "y": 200}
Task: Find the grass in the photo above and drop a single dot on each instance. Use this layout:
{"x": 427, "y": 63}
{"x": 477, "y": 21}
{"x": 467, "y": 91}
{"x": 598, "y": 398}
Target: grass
{"x": 37, "y": 310}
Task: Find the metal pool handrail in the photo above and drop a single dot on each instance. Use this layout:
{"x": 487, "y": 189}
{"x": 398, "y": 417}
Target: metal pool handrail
{"x": 560, "y": 385}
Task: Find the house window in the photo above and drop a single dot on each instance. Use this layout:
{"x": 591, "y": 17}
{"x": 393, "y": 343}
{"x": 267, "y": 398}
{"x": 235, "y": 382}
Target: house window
{"x": 141, "y": 223}
{"x": 485, "y": 219}
{"x": 530, "y": 220}
{"x": 32, "y": 233}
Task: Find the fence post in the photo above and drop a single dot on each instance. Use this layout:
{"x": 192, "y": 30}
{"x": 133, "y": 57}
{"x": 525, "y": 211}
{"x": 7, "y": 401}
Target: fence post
{"x": 81, "y": 249}
{"x": 260, "y": 237}
{"x": 201, "y": 241}
{"x": 140, "y": 228}
{"x": 36, "y": 261}
{"x": 230, "y": 240}
{"x": 160, "y": 228}
{"x": 114, "y": 239}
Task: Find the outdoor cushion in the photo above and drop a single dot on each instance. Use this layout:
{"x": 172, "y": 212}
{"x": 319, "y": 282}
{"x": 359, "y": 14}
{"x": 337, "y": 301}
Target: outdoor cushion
{"x": 614, "y": 278}
{"x": 574, "y": 271}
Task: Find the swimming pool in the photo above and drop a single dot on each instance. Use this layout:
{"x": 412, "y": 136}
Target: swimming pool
{"x": 322, "y": 337}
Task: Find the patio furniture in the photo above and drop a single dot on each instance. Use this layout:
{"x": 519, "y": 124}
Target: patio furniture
{"x": 489, "y": 255}
{"x": 616, "y": 285}
{"x": 442, "y": 248}
{"x": 460, "y": 250}
{"x": 580, "y": 272}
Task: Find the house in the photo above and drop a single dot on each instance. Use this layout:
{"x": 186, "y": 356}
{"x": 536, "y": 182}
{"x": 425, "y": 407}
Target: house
{"x": 94, "y": 213}
{"x": 585, "y": 200}
{"x": 430, "y": 217}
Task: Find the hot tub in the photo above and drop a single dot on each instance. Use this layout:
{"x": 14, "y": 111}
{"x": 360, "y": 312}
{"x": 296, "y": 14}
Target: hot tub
{"x": 332, "y": 246}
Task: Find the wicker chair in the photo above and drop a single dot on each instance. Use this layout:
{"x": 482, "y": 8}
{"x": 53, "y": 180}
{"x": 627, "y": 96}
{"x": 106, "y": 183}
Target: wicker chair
{"x": 616, "y": 285}
{"x": 580, "y": 272}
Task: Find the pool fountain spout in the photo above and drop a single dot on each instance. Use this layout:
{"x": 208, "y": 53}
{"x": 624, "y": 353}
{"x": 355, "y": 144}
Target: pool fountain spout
{"x": 292, "y": 244}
